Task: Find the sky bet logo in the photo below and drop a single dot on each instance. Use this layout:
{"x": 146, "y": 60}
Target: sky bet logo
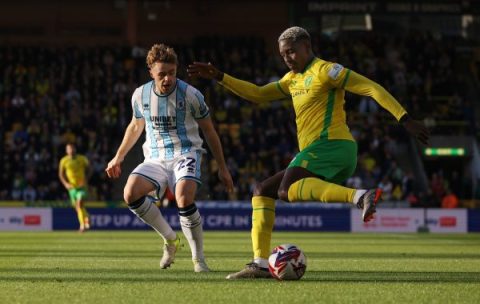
{"x": 27, "y": 220}
{"x": 443, "y": 221}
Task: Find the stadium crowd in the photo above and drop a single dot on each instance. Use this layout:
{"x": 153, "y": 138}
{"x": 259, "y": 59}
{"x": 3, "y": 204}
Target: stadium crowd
{"x": 53, "y": 96}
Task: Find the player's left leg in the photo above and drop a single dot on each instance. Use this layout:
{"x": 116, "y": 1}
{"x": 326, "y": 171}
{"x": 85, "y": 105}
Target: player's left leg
{"x": 81, "y": 196}
{"x": 76, "y": 203}
{"x": 300, "y": 184}
{"x": 183, "y": 179}
{"x": 191, "y": 221}
{"x": 317, "y": 171}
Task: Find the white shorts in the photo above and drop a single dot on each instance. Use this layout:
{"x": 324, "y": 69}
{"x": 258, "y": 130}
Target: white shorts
{"x": 166, "y": 173}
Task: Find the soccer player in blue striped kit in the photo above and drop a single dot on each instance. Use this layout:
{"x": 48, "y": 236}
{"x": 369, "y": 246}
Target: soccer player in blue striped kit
{"x": 171, "y": 112}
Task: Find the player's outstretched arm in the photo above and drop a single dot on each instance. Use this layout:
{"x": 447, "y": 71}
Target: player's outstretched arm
{"x": 361, "y": 85}
{"x": 244, "y": 89}
{"x": 213, "y": 141}
{"x": 132, "y": 133}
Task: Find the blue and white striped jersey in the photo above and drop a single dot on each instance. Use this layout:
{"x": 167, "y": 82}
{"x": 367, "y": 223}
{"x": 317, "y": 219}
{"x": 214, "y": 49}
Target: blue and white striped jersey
{"x": 170, "y": 120}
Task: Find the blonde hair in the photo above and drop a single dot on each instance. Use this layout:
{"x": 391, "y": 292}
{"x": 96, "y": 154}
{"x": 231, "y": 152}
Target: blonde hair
{"x": 294, "y": 33}
{"x": 161, "y": 53}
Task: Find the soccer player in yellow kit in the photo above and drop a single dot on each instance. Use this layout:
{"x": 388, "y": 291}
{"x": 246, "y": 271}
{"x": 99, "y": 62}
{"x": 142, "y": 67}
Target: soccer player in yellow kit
{"x": 328, "y": 152}
{"x": 72, "y": 172}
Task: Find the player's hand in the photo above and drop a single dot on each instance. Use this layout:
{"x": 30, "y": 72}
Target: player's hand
{"x": 204, "y": 70}
{"x": 418, "y": 130}
{"x": 68, "y": 186}
{"x": 226, "y": 179}
{"x": 113, "y": 168}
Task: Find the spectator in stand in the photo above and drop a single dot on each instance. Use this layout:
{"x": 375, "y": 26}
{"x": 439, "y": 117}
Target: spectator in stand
{"x": 58, "y": 87}
{"x": 450, "y": 200}
{"x": 437, "y": 185}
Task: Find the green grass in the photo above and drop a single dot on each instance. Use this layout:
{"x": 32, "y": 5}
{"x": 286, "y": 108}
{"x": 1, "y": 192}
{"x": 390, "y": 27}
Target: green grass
{"x": 122, "y": 267}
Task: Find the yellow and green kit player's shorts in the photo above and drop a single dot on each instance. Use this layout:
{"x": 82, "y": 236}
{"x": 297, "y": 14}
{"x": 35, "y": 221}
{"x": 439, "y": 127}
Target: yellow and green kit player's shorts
{"x": 332, "y": 160}
{"x": 76, "y": 194}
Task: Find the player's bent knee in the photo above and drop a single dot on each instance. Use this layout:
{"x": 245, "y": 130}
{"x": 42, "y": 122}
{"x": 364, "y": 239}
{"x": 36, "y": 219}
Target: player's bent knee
{"x": 129, "y": 196}
{"x": 183, "y": 201}
{"x": 259, "y": 190}
{"x": 283, "y": 194}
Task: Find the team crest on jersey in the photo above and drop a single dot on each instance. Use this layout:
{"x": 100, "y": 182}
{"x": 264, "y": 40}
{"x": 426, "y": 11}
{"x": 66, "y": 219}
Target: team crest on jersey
{"x": 308, "y": 81}
{"x": 335, "y": 71}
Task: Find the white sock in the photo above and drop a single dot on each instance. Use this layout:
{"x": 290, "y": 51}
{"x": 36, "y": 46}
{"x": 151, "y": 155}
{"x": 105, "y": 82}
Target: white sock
{"x": 358, "y": 194}
{"x": 191, "y": 223}
{"x": 263, "y": 263}
{"x": 151, "y": 215}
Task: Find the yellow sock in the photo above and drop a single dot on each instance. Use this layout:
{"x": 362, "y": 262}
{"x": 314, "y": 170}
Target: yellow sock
{"x": 263, "y": 218}
{"x": 86, "y": 218}
{"x": 316, "y": 189}
{"x": 81, "y": 217}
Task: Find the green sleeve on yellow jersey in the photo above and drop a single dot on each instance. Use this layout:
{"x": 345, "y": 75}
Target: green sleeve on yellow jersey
{"x": 283, "y": 85}
{"x": 257, "y": 94}
{"x": 361, "y": 85}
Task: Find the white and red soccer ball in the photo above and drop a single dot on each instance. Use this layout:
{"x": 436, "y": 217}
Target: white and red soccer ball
{"x": 287, "y": 262}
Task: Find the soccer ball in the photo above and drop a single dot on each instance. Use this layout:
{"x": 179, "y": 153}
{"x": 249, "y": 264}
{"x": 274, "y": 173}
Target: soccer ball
{"x": 287, "y": 262}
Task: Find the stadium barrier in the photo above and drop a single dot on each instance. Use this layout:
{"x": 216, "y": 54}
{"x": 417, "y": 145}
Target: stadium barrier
{"x": 237, "y": 216}
{"x": 474, "y": 220}
{"x": 413, "y": 220}
{"x": 214, "y": 218}
{"x": 23, "y": 219}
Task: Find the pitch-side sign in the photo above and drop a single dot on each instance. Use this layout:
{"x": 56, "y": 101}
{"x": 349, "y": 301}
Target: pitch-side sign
{"x": 15, "y": 219}
{"x": 410, "y": 220}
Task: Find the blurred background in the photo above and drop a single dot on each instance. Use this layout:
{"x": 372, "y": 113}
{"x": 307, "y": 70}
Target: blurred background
{"x": 68, "y": 69}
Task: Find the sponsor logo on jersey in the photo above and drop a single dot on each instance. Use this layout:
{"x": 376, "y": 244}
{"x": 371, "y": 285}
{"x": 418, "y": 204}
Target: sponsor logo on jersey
{"x": 164, "y": 123}
{"x": 299, "y": 92}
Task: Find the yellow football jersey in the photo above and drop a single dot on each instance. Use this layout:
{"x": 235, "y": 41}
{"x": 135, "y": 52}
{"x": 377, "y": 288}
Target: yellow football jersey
{"x": 75, "y": 168}
{"x": 318, "y": 98}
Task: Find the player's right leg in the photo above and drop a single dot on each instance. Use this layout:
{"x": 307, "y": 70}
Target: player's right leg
{"x": 263, "y": 218}
{"x": 367, "y": 202}
{"x": 80, "y": 215}
{"x": 135, "y": 195}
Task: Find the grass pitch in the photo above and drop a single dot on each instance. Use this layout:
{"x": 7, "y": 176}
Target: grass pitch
{"x": 122, "y": 267}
